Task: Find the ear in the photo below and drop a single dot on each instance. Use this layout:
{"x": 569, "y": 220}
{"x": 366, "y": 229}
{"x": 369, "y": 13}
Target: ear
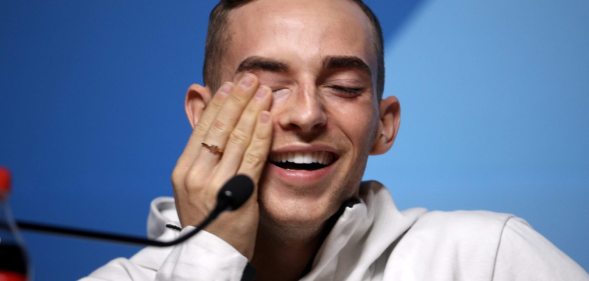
{"x": 390, "y": 120}
{"x": 197, "y": 98}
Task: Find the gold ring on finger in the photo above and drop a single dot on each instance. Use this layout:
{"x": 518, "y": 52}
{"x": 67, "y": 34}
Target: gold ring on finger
{"x": 213, "y": 148}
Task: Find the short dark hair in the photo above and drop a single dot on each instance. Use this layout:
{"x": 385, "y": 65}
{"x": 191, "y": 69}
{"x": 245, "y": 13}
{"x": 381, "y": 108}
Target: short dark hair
{"x": 218, "y": 39}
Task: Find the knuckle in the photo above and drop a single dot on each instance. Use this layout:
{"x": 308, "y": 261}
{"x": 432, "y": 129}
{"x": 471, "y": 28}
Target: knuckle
{"x": 193, "y": 180}
{"x": 239, "y": 137}
{"x": 254, "y": 159}
{"x": 177, "y": 177}
{"x": 216, "y": 103}
{"x": 202, "y": 126}
{"x": 263, "y": 134}
{"x": 238, "y": 98}
{"x": 218, "y": 126}
{"x": 252, "y": 109}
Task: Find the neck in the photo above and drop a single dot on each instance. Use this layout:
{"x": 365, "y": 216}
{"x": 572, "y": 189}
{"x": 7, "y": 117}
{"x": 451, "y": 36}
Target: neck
{"x": 285, "y": 253}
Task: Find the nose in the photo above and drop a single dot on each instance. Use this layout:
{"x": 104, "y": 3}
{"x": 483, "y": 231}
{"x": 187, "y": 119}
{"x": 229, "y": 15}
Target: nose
{"x": 304, "y": 112}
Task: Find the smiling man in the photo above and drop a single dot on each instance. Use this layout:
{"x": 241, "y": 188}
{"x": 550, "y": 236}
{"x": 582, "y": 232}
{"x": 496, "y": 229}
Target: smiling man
{"x": 293, "y": 99}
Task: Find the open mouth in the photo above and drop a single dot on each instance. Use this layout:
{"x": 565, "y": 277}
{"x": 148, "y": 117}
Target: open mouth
{"x": 303, "y": 160}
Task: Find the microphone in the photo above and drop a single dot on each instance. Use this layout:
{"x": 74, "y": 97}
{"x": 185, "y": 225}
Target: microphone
{"x": 232, "y": 195}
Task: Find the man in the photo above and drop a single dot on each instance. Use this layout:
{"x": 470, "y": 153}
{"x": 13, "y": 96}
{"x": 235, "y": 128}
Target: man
{"x": 302, "y": 112}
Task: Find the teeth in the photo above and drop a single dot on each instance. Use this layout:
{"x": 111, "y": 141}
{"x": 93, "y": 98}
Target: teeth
{"x": 321, "y": 157}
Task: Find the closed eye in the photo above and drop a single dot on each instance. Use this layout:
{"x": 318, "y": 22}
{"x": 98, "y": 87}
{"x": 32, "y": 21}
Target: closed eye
{"x": 354, "y": 91}
{"x": 280, "y": 91}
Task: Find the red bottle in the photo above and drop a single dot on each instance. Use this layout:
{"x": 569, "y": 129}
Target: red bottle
{"x": 13, "y": 260}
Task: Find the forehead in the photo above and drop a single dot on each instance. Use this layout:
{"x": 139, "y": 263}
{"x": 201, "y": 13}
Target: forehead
{"x": 302, "y": 31}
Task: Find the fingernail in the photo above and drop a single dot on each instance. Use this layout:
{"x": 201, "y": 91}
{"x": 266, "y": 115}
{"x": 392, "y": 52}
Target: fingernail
{"x": 247, "y": 80}
{"x": 226, "y": 88}
{"x": 265, "y": 117}
{"x": 261, "y": 93}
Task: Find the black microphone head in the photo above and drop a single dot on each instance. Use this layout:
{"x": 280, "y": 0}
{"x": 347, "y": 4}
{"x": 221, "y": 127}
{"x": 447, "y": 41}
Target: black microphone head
{"x": 235, "y": 192}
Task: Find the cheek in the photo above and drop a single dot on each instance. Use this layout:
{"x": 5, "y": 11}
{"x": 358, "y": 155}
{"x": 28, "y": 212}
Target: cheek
{"x": 357, "y": 121}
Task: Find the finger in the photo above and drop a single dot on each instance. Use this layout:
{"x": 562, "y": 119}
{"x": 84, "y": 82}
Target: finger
{"x": 256, "y": 155}
{"x": 206, "y": 162}
{"x": 212, "y": 110}
{"x": 194, "y": 142}
{"x": 229, "y": 114}
{"x": 241, "y": 136}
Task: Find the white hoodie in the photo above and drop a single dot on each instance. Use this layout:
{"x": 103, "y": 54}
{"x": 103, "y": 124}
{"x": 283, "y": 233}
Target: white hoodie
{"x": 371, "y": 240}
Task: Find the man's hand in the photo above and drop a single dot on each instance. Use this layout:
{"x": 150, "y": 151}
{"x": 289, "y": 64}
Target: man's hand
{"x": 233, "y": 136}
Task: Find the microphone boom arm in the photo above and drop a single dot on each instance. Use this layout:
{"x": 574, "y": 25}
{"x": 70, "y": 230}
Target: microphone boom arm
{"x": 231, "y": 196}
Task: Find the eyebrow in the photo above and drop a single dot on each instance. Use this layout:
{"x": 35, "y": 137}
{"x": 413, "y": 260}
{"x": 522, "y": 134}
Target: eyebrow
{"x": 349, "y": 62}
{"x": 257, "y": 63}
{"x": 264, "y": 64}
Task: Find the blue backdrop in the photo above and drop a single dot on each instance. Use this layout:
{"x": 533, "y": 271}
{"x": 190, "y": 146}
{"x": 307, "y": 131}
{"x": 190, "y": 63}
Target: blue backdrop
{"x": 493, "y": 96}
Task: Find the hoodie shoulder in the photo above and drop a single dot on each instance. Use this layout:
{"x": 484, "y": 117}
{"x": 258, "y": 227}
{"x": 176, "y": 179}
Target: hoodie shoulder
{"x": 462, "y": 224}
{"x": 457, "y": 245}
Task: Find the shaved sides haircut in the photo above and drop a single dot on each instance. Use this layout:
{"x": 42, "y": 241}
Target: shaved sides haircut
{"x": 219, "y": 37}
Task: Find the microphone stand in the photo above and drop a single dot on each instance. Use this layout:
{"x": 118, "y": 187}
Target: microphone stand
{"x": 231, "y": 196}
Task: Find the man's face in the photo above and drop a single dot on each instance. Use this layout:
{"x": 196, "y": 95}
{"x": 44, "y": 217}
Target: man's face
{"x": 318, "y": 58}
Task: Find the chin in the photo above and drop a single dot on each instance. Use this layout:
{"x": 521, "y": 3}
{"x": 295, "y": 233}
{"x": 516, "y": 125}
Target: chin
{"x": 305, "y": 211}
{"x": 287, "y": 215}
